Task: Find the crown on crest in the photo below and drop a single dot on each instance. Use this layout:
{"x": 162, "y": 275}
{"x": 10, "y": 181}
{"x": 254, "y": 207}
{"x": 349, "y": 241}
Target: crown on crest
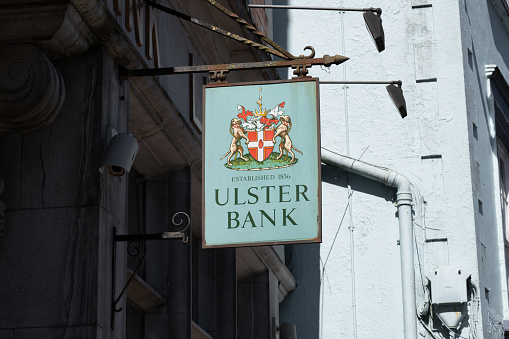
{"x": 261, "y": 111}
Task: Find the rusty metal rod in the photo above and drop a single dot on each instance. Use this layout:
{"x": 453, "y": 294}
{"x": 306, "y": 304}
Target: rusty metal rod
{"x": 326, "y": 61}
{"x": 252, "y": 29}
{"x": 216, "y": 29}
{"x": 371, "y": 9}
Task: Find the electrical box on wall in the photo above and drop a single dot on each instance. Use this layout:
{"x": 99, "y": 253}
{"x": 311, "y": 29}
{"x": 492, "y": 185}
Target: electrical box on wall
{"x": 448, "y": 285}
{"x": 449, "y": 294}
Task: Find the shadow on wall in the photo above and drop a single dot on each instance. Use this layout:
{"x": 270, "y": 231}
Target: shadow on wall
{"x": 499, "y": 33}
{"x": 302, "y": 305}
{"x": 280, "y": 22}
{"x": 338, "y": 177}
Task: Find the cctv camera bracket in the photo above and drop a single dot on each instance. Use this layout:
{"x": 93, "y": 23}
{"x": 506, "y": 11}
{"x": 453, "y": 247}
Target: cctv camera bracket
{"x": 111, "y": 133}
{"x": 137, "y": 247}
{"x": 217, "y": 72}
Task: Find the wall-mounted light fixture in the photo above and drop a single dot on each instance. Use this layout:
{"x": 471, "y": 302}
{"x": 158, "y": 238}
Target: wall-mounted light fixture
{"x": 372, "y": 17}
{"x": 120, "y": 154}
{"x": 374, "y": 23}
{"x": 395, "y": 92}
{"x": 397, "y": 97}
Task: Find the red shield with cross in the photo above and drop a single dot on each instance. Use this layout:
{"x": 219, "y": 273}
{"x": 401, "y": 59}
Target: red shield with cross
{"x": 260, "y": 144}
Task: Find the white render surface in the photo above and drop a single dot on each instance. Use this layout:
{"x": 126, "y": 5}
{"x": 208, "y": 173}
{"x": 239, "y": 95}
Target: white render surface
{"x": 439, "y": 50}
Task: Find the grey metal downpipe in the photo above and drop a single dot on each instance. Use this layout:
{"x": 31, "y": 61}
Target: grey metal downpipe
{"x": 404, "y": 204}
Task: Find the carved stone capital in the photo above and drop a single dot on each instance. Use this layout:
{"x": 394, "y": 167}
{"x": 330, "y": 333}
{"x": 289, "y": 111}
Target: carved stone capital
{"x": 31, "y": 89}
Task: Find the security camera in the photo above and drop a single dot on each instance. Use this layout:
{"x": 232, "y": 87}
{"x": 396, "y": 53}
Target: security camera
{"x": 120, "y": 154}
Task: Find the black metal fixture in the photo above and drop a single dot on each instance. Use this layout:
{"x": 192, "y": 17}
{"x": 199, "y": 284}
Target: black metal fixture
{"x": 120, "y": 154}
{"x": 395, "y": 92}
{"x": 374, "y": 23}
{"x": 136, "y": 247}
{"x": 372, "y": 17}
{"x": 397, "y": 97}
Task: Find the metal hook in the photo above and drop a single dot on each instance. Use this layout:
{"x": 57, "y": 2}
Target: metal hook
{"x": 310, "y": 56}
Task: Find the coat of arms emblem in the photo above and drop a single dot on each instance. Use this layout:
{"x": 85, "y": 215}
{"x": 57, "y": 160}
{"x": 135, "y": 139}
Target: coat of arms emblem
{"x": 259, "y": 131}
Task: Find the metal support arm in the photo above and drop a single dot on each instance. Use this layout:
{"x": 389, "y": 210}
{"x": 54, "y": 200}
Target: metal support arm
{"x": 392, "y": 82}
{"x": 134, "y": 251}
{"x": 327, "y": 60}
{"x": 217, "y": 72}
{"x": 340, "y": 9}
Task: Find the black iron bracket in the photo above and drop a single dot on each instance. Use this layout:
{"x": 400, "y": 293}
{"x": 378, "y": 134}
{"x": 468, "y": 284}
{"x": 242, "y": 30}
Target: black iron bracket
{"x": 137, "y": 246}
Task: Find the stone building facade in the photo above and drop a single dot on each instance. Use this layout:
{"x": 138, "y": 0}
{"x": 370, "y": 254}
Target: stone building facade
{"x": 61, "y": 100}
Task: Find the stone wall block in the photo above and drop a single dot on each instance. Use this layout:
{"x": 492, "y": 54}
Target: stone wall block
{"x": 58, "y": 165}
{"x": 69, "y": 332}
{"x": 56, "y": 250}
{"x": 6, "y": 334}
{"x": 10, "y": 168}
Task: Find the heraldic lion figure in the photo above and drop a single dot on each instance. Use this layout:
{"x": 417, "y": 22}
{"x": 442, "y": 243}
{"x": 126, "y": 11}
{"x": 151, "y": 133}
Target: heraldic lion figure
{"x": 238, "y": 133}
{"x": 286, "y": 143}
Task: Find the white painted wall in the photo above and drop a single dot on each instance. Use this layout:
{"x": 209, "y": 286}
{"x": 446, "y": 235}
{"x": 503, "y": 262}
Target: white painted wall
{"x": 426, "y": 48}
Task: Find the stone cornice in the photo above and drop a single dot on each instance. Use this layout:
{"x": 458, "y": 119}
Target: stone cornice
{"x": 55, "y": 26}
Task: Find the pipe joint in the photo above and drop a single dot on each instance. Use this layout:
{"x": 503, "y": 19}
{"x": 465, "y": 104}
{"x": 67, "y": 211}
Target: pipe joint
{"x": 404, "y": 198}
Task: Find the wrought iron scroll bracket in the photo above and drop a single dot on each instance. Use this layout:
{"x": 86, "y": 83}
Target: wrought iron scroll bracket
{"x": 137, "y": 246}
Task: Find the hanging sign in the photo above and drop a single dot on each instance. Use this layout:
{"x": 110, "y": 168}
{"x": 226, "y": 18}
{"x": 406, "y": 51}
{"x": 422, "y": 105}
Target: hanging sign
{"x": 261, "y": 163}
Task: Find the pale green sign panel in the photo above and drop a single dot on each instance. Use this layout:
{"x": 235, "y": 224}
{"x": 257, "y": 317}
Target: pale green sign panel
{"x": 261, "y": 164}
